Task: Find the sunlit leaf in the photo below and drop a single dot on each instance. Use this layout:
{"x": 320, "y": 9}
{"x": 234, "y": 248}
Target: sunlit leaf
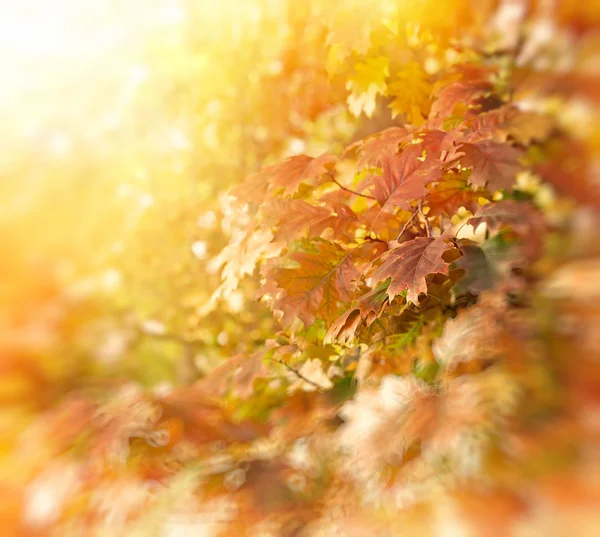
{"x": 408, "y": 265}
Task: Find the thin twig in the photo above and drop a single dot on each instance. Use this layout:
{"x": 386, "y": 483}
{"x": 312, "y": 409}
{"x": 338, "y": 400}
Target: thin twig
{"x": 427, "y": 226}
{"x": 405, "y": 226}
{"x": 349, "y": 189}
{"x": 299, "y": 375}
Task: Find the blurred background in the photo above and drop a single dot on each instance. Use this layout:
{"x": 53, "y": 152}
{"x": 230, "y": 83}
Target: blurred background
{"x": 125, "y": 123}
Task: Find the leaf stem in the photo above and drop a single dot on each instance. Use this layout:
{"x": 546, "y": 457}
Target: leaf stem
{"x": 427, "y": 225}
{"x": 349, "y": 189}
{"x": 405, "y": 226}
{"x": 299, "y": 375}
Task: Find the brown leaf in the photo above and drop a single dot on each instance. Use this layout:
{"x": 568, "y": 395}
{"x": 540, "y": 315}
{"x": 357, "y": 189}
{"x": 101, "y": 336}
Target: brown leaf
{"x": 324, "y": 277}
{"x": 255, "y": 188}
{"x": 494, "y": 165}
{"x": 375, "y": 149}
{"x": 479, "y": 270}
{"x": 366, "y": 308}
{"x": 508, "y": 122}
{"x": 342, "y": 221}
{"x": 458, "y": 93}
{"x": 404, "y": 180}
{"x": 386, "y": 226}
{"x": 410, "y": 263}
{"x": 294, "y": 170}
{"x": 451, "y": 193}
{"x": 520, "y": 216}
{"x": 287, "y": 175}
{"x": 294, "y": 217}
{"x": 437, "y": 143}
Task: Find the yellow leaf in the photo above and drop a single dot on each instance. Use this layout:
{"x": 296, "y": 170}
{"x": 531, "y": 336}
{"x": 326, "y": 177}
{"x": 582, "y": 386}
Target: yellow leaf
{"x": 411, "y": 91}
{"x": 367, "y": 81}
{"x": 351, "y": 22}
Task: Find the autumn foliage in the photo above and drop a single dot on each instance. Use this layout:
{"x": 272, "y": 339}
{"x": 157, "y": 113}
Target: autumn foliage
{"x": 430, "y": 361}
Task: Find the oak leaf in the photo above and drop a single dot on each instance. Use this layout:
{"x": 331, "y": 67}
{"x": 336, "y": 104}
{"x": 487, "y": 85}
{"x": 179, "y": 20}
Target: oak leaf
{"x": 439, "y": 143}
{"x": 458, "y": 94}
{"x": 286, "y": 175}
{"x": 451, "y": 193}
{"x": 239, "y": 258}
{"x": 408, "y": 265}
{"x": 386, "y": 226}
{"x": 367, "y": 308}
{"x": 342, "y": 221}
{"x": 375, "y": 149}
{"x": 294, "y": 217}
{"x": 494, "y": 165}
{"x": 323, "y": 277}
{"x": 254, "y": 188}
{"x": 301, "y": 168}
{"x": 502, "y": 213}
{"x": 479, "y": 263}
{"x": 508, "y": 122}
{"x": 522, "y": 219}
{"x": 403, "y": 180}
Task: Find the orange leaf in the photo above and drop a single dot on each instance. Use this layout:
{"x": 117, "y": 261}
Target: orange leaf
{"x": 404, "y": 179}
{"x": 286, "y": 175}
{"x": 451, "y": 193}
{"x": 458, "y": 93}
{"x": 367, "y": 308}
{"x": 324, "y": 277}
{"x": 409, "y": 264}
{"x": 494, "y": 165}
